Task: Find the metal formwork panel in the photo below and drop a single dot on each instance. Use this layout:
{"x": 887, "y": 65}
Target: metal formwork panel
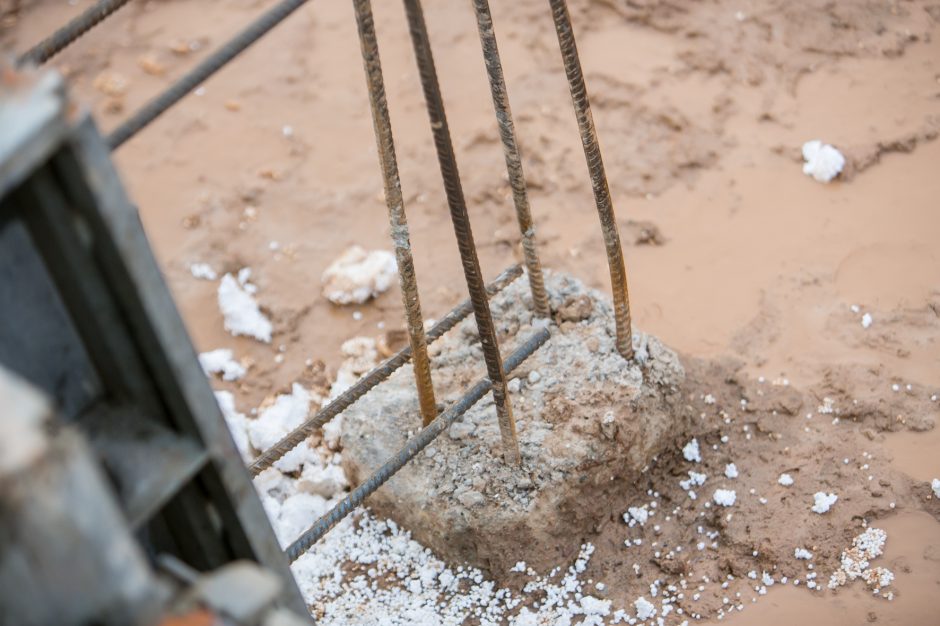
{"x": 88, "y": 318}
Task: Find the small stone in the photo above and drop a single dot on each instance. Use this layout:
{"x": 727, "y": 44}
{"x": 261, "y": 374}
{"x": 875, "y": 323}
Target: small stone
{"x": 576, "y": 309}
{"x": 514, "y": 385}
{"x": 534, "y": 377}
{"x": 461, "y": 430}
{"x": 593, "y": 344}
{"x": 471, "y": 499}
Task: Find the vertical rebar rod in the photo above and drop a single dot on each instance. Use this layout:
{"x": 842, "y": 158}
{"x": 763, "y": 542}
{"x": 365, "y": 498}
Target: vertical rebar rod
{"x": 396, "y": 209}
{"x": 507, "y": 133}
{"x": 592, "y": 154}
{"x": 458, "y": 213}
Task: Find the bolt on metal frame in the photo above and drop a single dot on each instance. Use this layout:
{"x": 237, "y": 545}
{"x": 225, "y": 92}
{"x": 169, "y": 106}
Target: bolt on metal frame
{"x": 497, "y": 370}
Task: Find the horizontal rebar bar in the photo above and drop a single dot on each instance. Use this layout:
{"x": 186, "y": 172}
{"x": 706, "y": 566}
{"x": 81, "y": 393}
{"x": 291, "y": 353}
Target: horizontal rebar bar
{"x": 398, "y": 221}
{"x": 592, "y": 154}
{"x": 414, "y": 445}
{"x": 209, "y": 66}
{"x": 507, "y": 134}
{"x": 62, "y": 38}
{"x": 368, "y": 382}
{"x": 457, "y": 204}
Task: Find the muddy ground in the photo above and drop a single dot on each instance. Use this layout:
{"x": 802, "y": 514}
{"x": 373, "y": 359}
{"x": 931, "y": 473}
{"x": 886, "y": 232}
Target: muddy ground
{"x": 701, "y": 108}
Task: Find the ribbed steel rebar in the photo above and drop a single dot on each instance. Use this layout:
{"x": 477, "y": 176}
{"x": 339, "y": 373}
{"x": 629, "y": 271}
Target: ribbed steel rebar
{"x": 592, "y": 154}
{"x": 458, "y": 213}
{"x": 396, "y": 209}
{"x": 414, "y": 445}
{"x": 368, "y": 382}
{"x": 62, "y": 38}
{"x": 209, "y": 66}
{"x": 507, "y": 133}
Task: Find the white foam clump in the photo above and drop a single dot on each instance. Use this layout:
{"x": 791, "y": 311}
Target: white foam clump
{"x": 935, "y": 485}
{"x": 696, "y": 479}
{"x": 644, "y": 609}
{"x": 358, "y": 275}
{"x": 636, "y": 515}
{"x": 221, "y": 361}
{"x": 691, "y": 452}
{"x": 785, "y": 479}
{"x": 731, "y": 470}
{"x": 724, "y": 497}
{"x": 823, "y": 162}
{"x": 822, "y": 502}
{"x": 856, "y": 562}
{"x": 286, "y": 413}
{"x": 240, "y": 310}
{"x": 802, "y": 554}
{"x": 237, "y": 423}
{"x": 202, "y": 271}
{"x": 866, "y": 320}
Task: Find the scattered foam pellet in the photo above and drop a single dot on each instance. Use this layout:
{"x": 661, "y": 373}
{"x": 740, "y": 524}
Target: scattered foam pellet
{"x": 358, "y": 275}
{"x": 823, "y": 502}
{"x": 222, "y": 362}
{"x": 785, "y": 479}
{"x": 691, "y": 452}
{"x": 866, "y": 320}
{"x": 823, "y": 161}
{"x": 240, "y": 311}
{"x": 724, "y": 497}
{"x": 731, "y": 470}
{"x": 935, "y": 485}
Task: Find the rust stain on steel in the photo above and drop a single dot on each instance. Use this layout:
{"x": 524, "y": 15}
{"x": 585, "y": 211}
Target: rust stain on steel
{"x": 396, "y": 209}
{"x": 458, "y": 213}
{"x": 507, "y": 133}
{"x": 592, "y": 154}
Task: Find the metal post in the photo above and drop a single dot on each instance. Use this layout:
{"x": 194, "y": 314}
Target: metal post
{"x": 396, "y": 209}
{"x": 458, "y": 213}
{"x": 592, "y": 153}
{"x": 507, "y": 133}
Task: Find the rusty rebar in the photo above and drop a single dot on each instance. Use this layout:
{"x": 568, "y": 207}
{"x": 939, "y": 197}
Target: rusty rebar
{"x": 396, "y": 209}
{"x": 410, "y": 450}
{"x": 368, "y": 382}
{"x": 62, "y": 38}
{"x": 215, "y": 61}
{"x": 458, "y": 213}
{"x": 592, "y": 154}
{"x": 507, "y": 133}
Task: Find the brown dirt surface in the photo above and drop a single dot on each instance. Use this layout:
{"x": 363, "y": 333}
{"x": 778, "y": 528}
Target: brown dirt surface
{"x": 701, "y": 108}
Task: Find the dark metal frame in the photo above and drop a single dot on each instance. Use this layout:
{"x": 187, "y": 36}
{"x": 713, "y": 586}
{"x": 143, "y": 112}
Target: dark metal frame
{"x": 184, "y": 487}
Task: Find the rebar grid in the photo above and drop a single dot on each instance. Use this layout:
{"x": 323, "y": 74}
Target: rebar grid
{"x": 396, "y": 209}
{"x": 413, "y": 446}
{"x": 209, "y": 66}
{"x": 62, "y": 38}
{"x": 592, "y": 154}
{"x": 458, "y": 213}
{"x": 477, "y": 303}
{"x": 507, "y": 134}
{"x": 368, "y": 382}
